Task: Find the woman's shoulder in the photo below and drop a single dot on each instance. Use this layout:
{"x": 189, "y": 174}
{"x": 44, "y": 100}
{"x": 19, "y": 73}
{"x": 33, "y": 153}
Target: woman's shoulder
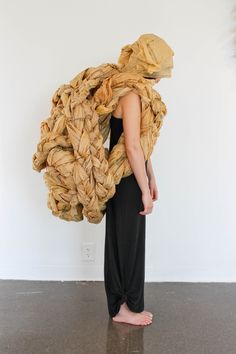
{"x": 130, "y": 97}
{"x": 131, "y": 94}
{"x": 130, "y": 104}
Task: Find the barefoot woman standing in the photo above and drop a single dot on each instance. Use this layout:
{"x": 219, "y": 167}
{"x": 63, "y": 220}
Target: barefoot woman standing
{"x": 124, "y": 256}
{"x": 83, "y": 176}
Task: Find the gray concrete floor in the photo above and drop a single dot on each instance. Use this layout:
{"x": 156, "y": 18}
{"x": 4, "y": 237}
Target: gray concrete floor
{"x": 71, "y": 317}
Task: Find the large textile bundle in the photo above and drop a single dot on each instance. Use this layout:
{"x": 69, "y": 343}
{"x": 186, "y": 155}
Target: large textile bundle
{"x": 80, "y": 173}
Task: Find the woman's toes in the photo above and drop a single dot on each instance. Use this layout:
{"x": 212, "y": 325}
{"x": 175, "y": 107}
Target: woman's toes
{"x": 146, "y": 319}
{"x": 147, "y": 322}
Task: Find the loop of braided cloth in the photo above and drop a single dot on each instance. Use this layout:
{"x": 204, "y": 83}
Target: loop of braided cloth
{"x": 80, "y": 173}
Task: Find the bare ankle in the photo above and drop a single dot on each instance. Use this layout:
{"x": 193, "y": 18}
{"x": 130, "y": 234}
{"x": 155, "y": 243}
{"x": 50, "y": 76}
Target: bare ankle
{"x": 123, "y": 307}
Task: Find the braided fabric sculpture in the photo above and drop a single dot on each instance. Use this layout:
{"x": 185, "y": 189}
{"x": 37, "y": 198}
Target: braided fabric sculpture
{"x": 80, "y": 173}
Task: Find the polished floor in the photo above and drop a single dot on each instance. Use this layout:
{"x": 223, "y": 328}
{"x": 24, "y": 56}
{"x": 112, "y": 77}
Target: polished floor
{"x": 38, "y": 317}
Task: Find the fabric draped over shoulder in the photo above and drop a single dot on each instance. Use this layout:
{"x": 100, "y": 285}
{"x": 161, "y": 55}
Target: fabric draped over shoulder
{"x": 80, "y": 172}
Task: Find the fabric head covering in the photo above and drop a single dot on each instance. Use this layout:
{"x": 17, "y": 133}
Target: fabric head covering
{"x": 149, "y": 56}
{"x": 81, "y": 173}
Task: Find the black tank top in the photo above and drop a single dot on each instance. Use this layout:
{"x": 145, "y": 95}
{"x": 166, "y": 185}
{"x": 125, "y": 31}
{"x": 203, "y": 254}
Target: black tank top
{"x": 116, "y": 130}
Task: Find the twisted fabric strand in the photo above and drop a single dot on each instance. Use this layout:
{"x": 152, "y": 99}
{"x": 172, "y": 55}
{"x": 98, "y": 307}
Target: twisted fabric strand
{"x": 80, "y": 172}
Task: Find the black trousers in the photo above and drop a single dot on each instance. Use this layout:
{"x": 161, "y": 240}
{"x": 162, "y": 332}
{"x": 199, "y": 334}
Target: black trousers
{"x": 124, "y": 253}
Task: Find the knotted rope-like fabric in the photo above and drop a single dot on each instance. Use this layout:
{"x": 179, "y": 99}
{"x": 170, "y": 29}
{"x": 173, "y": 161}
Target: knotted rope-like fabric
{"x": 80, "y": 172}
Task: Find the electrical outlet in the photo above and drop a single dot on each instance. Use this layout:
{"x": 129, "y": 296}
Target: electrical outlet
{"x": 88, "y": 251}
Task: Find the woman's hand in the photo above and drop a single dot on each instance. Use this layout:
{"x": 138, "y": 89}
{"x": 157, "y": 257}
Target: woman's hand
{"x": 147, "y": 203}
{"x": 153, "y": 187}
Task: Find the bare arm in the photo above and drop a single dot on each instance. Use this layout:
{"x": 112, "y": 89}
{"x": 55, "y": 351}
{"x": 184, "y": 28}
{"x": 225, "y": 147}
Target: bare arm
{"x": 152, "y": 181}
{"x": 150, "y": 172}
{"x": 131, "y": 114}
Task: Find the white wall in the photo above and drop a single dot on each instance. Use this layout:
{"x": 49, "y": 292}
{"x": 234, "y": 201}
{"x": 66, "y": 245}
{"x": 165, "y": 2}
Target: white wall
{"x": 191, "y": 234}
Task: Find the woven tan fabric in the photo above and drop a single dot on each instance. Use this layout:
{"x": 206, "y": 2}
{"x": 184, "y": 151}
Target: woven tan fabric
{"x": 80, "y": 173}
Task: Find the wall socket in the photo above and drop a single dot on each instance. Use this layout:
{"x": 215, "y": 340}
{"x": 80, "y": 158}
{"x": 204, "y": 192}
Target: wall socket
{"x": 88, "y": 251}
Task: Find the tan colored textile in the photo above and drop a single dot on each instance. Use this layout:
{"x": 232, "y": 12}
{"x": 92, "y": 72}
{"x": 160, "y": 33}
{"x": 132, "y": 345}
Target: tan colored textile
{"x": 80, "y": 173}
{"x": 149, "y": 56}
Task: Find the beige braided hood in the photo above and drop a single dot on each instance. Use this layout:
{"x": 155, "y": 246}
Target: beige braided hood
{"x": 80, "y": 173}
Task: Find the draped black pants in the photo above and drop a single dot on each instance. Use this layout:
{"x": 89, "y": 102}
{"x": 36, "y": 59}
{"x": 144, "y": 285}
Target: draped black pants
{"x": 124, "y": 252}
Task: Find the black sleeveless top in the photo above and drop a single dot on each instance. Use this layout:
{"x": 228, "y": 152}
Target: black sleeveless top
{"x": 116, "y": 126}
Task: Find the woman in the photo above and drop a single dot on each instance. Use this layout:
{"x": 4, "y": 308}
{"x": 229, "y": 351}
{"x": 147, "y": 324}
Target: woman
{"x": 81, "y": 177}
{"x": 124, "y": 261}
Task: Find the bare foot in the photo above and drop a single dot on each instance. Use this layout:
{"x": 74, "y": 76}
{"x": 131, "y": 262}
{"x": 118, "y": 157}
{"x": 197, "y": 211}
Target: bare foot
{"x": 144, "y": 311}
{"x": 148, "y": 313}
{"x": 136, "y": 318}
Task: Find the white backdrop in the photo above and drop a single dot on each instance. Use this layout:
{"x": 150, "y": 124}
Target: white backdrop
{"x": 191, "y": 234}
